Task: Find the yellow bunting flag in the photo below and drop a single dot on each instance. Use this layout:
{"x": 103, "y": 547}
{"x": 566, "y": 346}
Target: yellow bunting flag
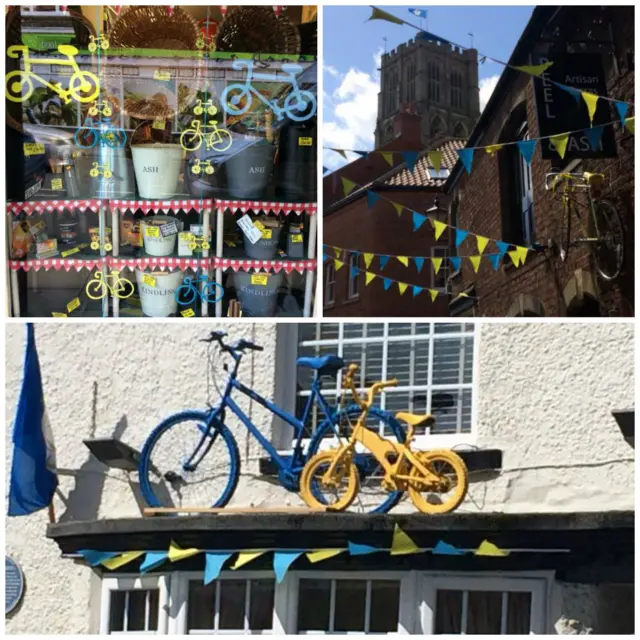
{"x": 318, "y": 555}
{"x": 535, "y": 69}
{"x": 348, "y": 185}
{"x": 592, "y": 102}
{"x": 338, "y": 251}
{"x": 489, "y": 549}
{"x": 515, "y": 257}
{"x": 341, "y": 152}
{"x": 560, "y": 143}
{"x": 399, "y": 207}
{"x": 434, "y": 294}
{"x": 492, "y": 148}
{"x": 404, "y": 260}
{"x": 369, "y": 277}
{"x": 475, "y": 261}
{"x": 436, "y": 159}
{"x": 437, "y": 263}
{"x": 482, "y": 243}
{"x": 439, "y": 227}
{"x": 368, "y": 257}
{"x": 339, "y": 264}
{"x": 121, "y": 560}
{"x": 630, "y": 123}
{"x": 402, "y": 544}
{"x": 379, "y": 14}
{"x": 402, "y": 286}
{"x": 522, "y": 253}
{"x": 176, "y": 553}
{"x": 388, "y": 156}
{"x": 245, "y": 557}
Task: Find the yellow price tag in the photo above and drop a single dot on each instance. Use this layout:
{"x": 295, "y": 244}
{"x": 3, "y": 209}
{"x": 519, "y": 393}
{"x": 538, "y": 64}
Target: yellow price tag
{"x": 33, "y": 148}
{"x": 152, "y": 232}
{"x": 56, "y": 314}
{"x": 188, "y": 313}
{"x": 296, "y": 237}
{"x": 259, "y": 278}
{"x": 161, "y": 75}
{"x": 305, "y": 142}
{"x": 70, "y": 252}
{"x": 56, "y": 184}
{"x": 73, "y": 305}
{"x": 150, "y": 280}
{"x": 159, "y": 124}
{"x": 259, "y": 226}
{"x": 267, "y": 233}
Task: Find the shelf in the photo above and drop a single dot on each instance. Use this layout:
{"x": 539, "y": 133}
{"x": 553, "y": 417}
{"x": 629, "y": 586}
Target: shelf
{"x": 42, "y": 206}
{"x": 245, "y": 264}
{"x": 56, "y": 263}
{"x": 169, "y": 262}
{"x": 267, "y": 206}
{"x": 150, "y": 206}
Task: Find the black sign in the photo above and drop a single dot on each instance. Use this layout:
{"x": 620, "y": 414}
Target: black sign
{"x": 14, "y": 584}
{"x": 560, "y": 111}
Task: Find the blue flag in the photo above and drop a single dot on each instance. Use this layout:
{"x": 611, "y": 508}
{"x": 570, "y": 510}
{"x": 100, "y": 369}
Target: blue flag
{"x": 419, "y": 263}
{"x": 282, "y": 560}
{"x": 410, "y": 157}
{"x": 33, "y": 471}
{"x": 456, "y": 262}
{"x": 214, "y": 560}
{"x": 356, "y": 549}
{"x": 418, "y": 220}
{"x": 372, "y": 198}
{"x": 419, "y": 13}
{"x": 622, "y": 108}
{"x": 387, "y": 283}
{"x": 461, "y": 234}
{"x": 494, "y": 259}
{"x": 594, "y": 135}
{"x": 383, "y": 261}
{"x": 466, "y": 157}
{"x": 416, "y": 290}
{"x": 527, "y": 147}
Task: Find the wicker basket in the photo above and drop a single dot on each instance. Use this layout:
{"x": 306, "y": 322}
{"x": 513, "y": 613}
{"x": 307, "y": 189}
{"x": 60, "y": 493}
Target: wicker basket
{"x": 149, "y": 27}
{"x": 257, "y": 30}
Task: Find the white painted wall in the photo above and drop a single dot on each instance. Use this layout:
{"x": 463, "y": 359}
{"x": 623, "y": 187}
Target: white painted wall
{"x": 545, "y": 395}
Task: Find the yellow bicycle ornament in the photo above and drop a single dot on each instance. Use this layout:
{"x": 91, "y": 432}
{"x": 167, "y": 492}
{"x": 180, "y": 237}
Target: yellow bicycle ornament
{"x": 199, "y": 167}
{"x": 217, "y": 140}
{"x": 100, "y": 107}
{"x": 114, "y": 283}
{"x": 197, "y": 242}
{"x": 100, "y": 170}
{"x": 96, "y": 43}
{"x": 200, "y": 108}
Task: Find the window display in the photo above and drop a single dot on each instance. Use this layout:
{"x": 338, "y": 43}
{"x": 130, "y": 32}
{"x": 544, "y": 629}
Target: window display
{"x": 161, "y": 161}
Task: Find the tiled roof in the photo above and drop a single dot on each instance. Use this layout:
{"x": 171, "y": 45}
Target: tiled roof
{"x": 401, "y": 176}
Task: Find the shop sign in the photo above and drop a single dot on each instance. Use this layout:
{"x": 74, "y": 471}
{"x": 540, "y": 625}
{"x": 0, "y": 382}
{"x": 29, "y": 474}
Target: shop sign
{"x": 560, "y": 111}
{"x": 14, "y": 584}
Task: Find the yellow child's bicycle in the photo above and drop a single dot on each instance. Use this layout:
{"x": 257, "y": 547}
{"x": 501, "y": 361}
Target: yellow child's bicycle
{"x": 436, "y": 481}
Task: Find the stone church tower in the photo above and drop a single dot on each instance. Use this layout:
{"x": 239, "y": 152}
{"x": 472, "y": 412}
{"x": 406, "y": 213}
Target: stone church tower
{"x": 433, "y": 79}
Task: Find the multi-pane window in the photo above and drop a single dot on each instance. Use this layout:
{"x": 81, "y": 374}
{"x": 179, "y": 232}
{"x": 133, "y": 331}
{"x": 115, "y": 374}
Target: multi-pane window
{"x": 329, "y": 283}
{"x": 134, "y": 611}
{"x": 411, "y": 81}
{"x": 433, "y": 81}
{"x": 525, "y": 190}
{"x": 433, "y": 363}
{"x": 348, "y": 606}
{"x": 456, "y": 90}
{"x": 354, "y": 277}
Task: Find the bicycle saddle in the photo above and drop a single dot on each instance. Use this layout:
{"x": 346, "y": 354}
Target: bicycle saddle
{"x": 67, "y": 50}
{"x": 322, "y": 364}
{"x": 293, "y": 69}
{"x": 416, "y": 420}
{"x": 593, "y": 178}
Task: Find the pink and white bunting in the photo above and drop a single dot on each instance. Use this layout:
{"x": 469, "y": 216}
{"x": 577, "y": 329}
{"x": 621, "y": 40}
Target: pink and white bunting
{"x": 243, "y": 206}
{"x": 149, "y": 206}
{"x": 53, "y": 263}
{"x": 43, "y": 206}
{"x": 265, "y": 265}
{"x": 164, "y": 263}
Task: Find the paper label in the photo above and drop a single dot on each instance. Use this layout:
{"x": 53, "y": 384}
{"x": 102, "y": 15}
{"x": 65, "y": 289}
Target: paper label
{"x": 259, "y": 278}
{"x": 305, "y": 142}
{"x": 169, "y": 229}
{"x": 73, "y": 305}
{"x": 56, "y": 184}
{"x": 70, "y": 252}
{"x": 152, "y": 232}
{"x": 267, "y": 233}
{"x": 150, "y": 280}
{"x": 161, "y": 75}
{"x": 33, "y": 148}
{"x": 249, "y": 229}
{"x": 56, "y": 314}
{"x": 259, "y": 225}
{"x": 159, "y": 124}
{"x": 296, "y": 237}
{"x": 188, "y": 313}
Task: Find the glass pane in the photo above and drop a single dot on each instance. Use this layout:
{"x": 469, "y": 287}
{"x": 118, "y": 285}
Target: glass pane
{"x": 448, "y": 611}
{"x": 485, "y": 612}
{"x": 314, "y": 600}
{"x": 232, "y": 601}
{"x": 116, "y": 611}
{"x": 452, "y": 411}
{"x": 353, "y": 330}
{"x": 385, "y": 606}
{"x": 350, "y": 605}
{"x": 448, "y": 327}
{"x": 201, "y": 605}
{"x": 519, "y": 612}
{"x": 452, "y": 360}
{"x": 329, "y": 330}
{"x": 374, "y": 329}
{"x": 399, "y": 329}
{"x": 137, "y": 610}
{"x": 154, "y": 605}
{"x": 261, "y": 608}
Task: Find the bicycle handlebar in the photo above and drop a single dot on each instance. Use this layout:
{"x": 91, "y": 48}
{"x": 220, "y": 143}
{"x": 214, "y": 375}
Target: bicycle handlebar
{"x": 238, "y": 345}
{"x": 375, "y": 388}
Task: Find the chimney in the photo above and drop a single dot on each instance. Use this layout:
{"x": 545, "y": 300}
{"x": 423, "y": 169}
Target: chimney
{"x": 407, "y": 129}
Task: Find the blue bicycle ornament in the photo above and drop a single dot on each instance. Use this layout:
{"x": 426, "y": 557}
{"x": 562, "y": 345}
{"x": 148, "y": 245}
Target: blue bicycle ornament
{"x": 188, "y": 291}
{"x": 93, "y": 132}
{"x": 191, "y": 459}
{"x": 299, "y": 105}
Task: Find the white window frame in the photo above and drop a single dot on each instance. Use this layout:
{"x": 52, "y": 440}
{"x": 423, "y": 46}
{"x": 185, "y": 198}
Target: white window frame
{"x": 329, "y": 283}
{"x": 525, "y": 191}
{"x": 354, "y": 283}
{"x": 445, "y": 268}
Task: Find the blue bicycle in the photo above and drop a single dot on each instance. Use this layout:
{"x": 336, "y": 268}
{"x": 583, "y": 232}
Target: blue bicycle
{"x": 91, "y": 133}
{"x": 191, "y": 459}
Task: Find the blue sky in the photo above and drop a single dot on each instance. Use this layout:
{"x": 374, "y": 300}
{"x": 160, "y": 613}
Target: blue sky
{"x": 351, "y": 54}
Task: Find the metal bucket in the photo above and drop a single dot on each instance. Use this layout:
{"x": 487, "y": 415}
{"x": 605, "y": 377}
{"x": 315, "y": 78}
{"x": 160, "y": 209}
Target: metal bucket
{"x": 159, "y": 301}
{"x": 249, "y": 171}
{"x": 257, "y": 300}
{"x": 265, "y": 248}
{"x": 122, "y": 186}
{"x": 157, "y": 167}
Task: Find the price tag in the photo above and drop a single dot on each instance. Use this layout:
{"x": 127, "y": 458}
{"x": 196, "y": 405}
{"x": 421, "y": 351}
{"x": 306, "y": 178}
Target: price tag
{"x": 159, "y": 124}
{"x": 73, "y": 305}
{"x": 296, "y": 238}
{"x": 152, "y": 232}
{"x": 70, "y": 252}
{"x": 259, "y": 278}
{"x": 33, "y": 148}
{"x": 250, "y": 230}
{"x": 150, "y": 280}
{"x": 56, "y": 314}
{"x": 56, "y": 184}
{"x": 169, "y": 229}
{"x": 165, "y": 76}
{"x": 267, "y": 233}
{"x": 305, "y": 142}
{"x": 188, "y": 313}
{"x": 259, "y": 225}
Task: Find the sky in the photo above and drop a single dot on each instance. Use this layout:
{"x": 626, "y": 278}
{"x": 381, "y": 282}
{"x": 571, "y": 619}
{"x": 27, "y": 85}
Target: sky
{"x": 351, "y": 56}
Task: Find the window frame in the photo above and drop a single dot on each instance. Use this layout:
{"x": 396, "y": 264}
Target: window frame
{"x": 456, "y": 89}
{"x": 353, "y": 287}
{"x": 441, "y": 252}
{"x": 433, "y": 81}
{"x": 329, "y": 284}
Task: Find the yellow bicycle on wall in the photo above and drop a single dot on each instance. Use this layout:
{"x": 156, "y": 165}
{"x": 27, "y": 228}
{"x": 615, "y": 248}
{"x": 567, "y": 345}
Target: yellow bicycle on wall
{"x": 436, "y": 480}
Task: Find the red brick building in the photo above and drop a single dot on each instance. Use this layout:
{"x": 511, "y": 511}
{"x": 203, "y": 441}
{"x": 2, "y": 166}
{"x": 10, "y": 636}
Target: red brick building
{"x": 350, "y": 223}
{"x": 502, "y": 199}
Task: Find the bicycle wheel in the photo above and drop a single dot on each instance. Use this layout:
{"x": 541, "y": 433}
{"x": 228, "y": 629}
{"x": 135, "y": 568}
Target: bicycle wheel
{"x": 372, "y": 496}
{"x": 123, "y": 288}
{"x": 115, "y": 138}
{"x": 14, "y": 90}
{"x": 190, "y": 140}
{"x": 451, "y": 488}
{"x": 232, "y": 97}
{"x": 80, "y": 138}
{"x": 300, "y": 106}
{"x": 609, "y": 250}
{"x": 341, "y": 489}
{"x": 212, "y": 292}
{"x": 188, "y": 295}
{"x": 184, "y": 465}
{"x": 96, "y": 289}
{"x": 84, "y": 86}
{"x": 223, "y": 140}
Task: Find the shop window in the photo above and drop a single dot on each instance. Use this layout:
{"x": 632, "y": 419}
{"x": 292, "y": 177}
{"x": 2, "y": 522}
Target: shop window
{"x": 354, "y": 277}
{"x": 432, "y": 362}
{"x": 456, "y": 90}
{"x": 433, "y": 81}
{"x": 329, "y": 283}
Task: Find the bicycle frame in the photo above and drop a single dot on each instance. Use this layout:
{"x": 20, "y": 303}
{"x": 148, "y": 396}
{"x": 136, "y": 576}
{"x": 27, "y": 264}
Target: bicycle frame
{"x": 264, "y": 77}
{"x": 14, "y": 52}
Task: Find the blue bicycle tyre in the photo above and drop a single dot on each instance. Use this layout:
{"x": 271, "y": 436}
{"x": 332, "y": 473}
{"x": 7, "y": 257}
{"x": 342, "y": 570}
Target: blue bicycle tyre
{"x": 212, "y": 296}
{"x": 325, "y": 429}
{"x": 120, "y": 136}
{"x": 188, "y": 288}
{"x": 157, "y": 498}
{"x": 92, "y": 131}
{"x": 228, "y": 107}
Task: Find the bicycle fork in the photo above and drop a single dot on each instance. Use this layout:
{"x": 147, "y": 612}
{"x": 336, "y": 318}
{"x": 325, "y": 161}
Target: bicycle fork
{"x": 208, "y": 440}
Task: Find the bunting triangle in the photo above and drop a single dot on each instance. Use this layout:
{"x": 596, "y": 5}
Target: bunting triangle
{"x": 318, "y": 555}
{"x": 368, "y": 258}
{"x": 119, "y": 561}
{"x": 560, "y": 143}
{"x": 502, "y": 246}
{"x": 437, "y": 263}
{"x": 245, "y": 557}
{"x": 402, "y": 286}
{"x": 492, "y": 148}
{"x": 527, "y": 148}
{"x": 402, "y": 544}
{"x": 282, "y": 560}
{"x": 436, "y": 159}
{"x": 466, "y": 157}
{"x": 398, "y": 207}
{"x": 573, "y": 91}
{"x": 410, "y": 158}
{"x": 369, "y": 277}
{"x": 337, "y": 251}
{"x": 522, "y": 253}
{"x": 482, "y": 243}
{"x": 592, "y": 103}
{"x": 622, "y": 108}
{"x": 418, "y": 220}
{"x": 347, "y": 185}
{"x": 446, "y": 549}
{"x": 439, "y": 227}
{"x": 372, "y": 198}
{"x": 631, "y": 124}
{"x": 455, "y": 262}
{"x": 416, "y": 290}
{"x": 338, "y": 264}
{"x": 362, "y": 154}
{"x": 594, "y": 136}
{"x": 341, "y": 152}
{"x": 461, "y": 234}
{"x": 152, "y": 560}
{"x": 177, "y": 553}
{"x": 383, "y": 262}
{"x": 403, "y": 260}
{"x": 433, "y": 293}
{"x": 515, "y": 257}
{"x": 378, "y": 14}
{"x": 475, "y": 261}
{"x": 535, "y": 69}
{"x": 494, "y": 258}
{"x": 487, "y": 548}
{"x": 387, "y": 283}
{"x": 419, "y": 263}
{"x": 213, "y": 565}
{"x": 388, "y": 156}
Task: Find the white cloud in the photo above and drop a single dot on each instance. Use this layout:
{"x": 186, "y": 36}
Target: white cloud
{"x": 332, "y": 71}
{"x": 487, "y": 85}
